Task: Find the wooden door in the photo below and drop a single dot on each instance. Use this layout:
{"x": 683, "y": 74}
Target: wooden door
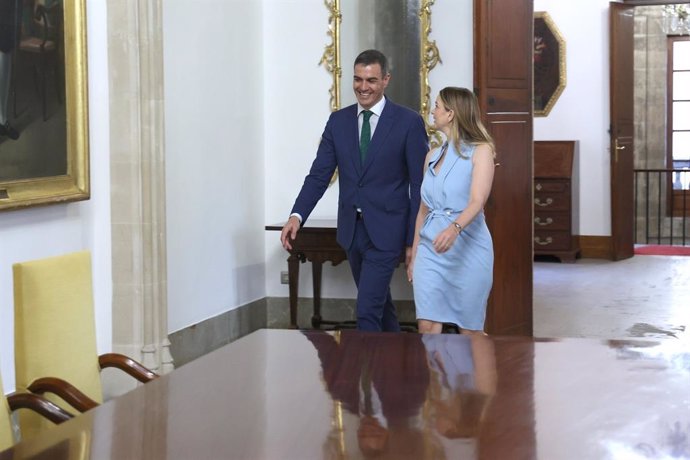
{"x": 622, "y": 129}
{"x": 503, "y": 82}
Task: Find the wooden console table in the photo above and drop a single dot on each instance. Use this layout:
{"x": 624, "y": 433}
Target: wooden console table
{"x": 316, "y": 243}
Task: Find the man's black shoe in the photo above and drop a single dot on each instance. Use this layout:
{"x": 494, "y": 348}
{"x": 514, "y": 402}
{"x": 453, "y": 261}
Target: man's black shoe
{"x": 7, "y": 130}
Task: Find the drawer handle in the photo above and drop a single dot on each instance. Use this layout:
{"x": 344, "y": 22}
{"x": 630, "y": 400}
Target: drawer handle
{"x": 537, "y": 220}
{"x": 538, "y": 240}
{"x": 538, "y": 186}
{"x": 538, "y": 202}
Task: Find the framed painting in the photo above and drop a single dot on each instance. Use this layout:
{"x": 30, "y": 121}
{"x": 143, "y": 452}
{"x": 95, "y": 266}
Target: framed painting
{"x": 549, "y": 64}
{"x": 44, "y": 138}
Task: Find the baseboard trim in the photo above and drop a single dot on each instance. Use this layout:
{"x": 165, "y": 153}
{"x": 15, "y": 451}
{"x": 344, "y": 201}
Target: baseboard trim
{"x": 199, "y": 339}
{"x": 332, "y": 309}
{"x": 269, "y": 312}
{"x": 596, "y": 247}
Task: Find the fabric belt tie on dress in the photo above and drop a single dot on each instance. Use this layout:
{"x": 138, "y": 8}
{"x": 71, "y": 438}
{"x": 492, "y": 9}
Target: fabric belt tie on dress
{"x": 447, "y": 213}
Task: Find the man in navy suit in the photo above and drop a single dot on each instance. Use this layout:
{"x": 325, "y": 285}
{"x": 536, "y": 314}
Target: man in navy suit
{"x": 379, "y": 149}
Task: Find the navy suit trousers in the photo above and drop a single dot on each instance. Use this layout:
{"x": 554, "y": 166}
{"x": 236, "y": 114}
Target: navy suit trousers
{"x": 372, "y": 270}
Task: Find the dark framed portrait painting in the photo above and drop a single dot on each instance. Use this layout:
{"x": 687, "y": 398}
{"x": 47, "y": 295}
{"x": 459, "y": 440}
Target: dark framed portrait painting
{"x": 549, "y": 64}
{"x": 44, "y": 141}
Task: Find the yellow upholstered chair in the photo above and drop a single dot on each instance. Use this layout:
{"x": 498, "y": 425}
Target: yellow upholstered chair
{"x": 6, "y": 437}
{"x": 55, "y": 335}
{"x": 31, "y": 401}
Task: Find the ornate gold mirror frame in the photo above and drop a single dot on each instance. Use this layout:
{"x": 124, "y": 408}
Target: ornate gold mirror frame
{"x": 429, "y": 58}
{"x": 549, "y": 64}
{"x": 74, "y": 185}
{"x": 331, "y": 55}
{"x": 428, "y": 52}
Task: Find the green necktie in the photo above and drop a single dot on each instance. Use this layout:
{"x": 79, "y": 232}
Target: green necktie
{"x": 365, "y": 137}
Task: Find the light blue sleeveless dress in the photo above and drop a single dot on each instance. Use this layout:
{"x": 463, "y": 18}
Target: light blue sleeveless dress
{"x": 452, "y": 287}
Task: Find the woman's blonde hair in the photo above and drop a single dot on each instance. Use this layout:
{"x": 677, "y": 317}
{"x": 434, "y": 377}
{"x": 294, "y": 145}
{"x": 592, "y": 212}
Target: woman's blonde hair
{"x": 466, "y": 125}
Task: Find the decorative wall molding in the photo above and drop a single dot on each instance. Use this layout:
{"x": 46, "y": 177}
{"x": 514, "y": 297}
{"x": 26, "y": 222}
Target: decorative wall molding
{"x": 137, "y": 133}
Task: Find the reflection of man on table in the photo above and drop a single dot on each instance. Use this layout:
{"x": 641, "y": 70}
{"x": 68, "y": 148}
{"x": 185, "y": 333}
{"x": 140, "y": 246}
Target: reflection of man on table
{"x": 383, "y": 381}
{"x": 10, "y": 17}
{"x": 379, "y": 149}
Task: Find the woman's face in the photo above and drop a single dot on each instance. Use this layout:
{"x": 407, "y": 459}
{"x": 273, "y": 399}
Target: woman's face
{"x": 442, "y": 116}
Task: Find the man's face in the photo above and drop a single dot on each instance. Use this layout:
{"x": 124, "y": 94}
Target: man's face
{"x": 369, "y": 84}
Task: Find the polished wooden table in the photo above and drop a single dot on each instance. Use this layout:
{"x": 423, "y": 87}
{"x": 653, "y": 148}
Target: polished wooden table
{"x": 285, "y": 394}
{"x": 315, "y": 242}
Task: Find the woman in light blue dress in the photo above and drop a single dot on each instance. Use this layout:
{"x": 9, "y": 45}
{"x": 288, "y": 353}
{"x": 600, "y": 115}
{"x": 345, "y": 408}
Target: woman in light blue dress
{"x": 452, "y": 253}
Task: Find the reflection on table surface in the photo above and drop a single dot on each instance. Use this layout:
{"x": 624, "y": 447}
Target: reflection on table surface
{"x": 278, "y": 394}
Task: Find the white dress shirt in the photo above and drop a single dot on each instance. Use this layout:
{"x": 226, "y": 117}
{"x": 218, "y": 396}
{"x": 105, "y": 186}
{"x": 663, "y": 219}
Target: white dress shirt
{"x": 377, "y": 110}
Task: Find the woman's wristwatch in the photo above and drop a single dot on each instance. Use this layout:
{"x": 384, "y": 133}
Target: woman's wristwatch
{"x": 457, "y": 226}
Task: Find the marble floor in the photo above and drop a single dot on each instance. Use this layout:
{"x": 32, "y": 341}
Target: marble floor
{"x": 644, "y": 297}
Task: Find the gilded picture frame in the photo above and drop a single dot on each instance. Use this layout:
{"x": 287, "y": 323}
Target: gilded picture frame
{"x": 549, "y": 64}
{"x": 54, "y": 129}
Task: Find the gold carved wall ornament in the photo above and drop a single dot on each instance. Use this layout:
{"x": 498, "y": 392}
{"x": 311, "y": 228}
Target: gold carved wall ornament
{"x": 429, "y": 57}
{"x": 331, "y": 55}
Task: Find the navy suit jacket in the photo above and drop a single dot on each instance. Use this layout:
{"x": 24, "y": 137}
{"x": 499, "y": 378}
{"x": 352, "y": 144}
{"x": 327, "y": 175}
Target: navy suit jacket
{"x": 386, "y": 187}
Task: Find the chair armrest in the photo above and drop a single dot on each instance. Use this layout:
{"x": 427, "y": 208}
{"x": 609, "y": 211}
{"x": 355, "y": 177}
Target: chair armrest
{"x": 128, "y": 365}
{"x": 64, "y": 390}
{"x": 38, "y": 404}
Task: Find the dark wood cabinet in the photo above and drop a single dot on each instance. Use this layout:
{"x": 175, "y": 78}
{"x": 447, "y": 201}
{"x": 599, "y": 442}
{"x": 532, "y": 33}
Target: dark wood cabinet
{"x": 553, "y": 200}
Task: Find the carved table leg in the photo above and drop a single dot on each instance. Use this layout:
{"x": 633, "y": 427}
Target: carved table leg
{"x": 316, "y": 278}
{"x": 293, "y": 278}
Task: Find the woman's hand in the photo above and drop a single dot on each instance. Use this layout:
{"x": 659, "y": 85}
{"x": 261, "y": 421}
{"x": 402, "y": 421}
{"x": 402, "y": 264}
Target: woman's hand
{"x": 445, "y": 239}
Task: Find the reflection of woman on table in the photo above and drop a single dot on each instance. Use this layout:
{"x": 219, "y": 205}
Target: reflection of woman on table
{"x": 463, "y": 379}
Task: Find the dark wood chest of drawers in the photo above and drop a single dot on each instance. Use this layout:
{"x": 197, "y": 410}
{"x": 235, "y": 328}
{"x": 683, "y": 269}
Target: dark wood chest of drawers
{"x": 553, "y": 203}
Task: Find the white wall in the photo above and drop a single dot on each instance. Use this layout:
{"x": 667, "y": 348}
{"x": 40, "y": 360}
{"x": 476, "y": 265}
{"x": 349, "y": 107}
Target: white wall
{"x": 57, "y": 229}
{"x": 297, "y": 108}
{"x": 582, "y": 111}
{"x": 214, "y": 111}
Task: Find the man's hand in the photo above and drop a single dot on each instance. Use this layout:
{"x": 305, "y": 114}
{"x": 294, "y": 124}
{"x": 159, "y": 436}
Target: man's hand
{"x": 409, "y": 262}
{"x": 289, "y": 232}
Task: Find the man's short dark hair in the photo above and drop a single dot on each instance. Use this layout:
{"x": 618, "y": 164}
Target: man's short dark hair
{"x": 369, "y": 57}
